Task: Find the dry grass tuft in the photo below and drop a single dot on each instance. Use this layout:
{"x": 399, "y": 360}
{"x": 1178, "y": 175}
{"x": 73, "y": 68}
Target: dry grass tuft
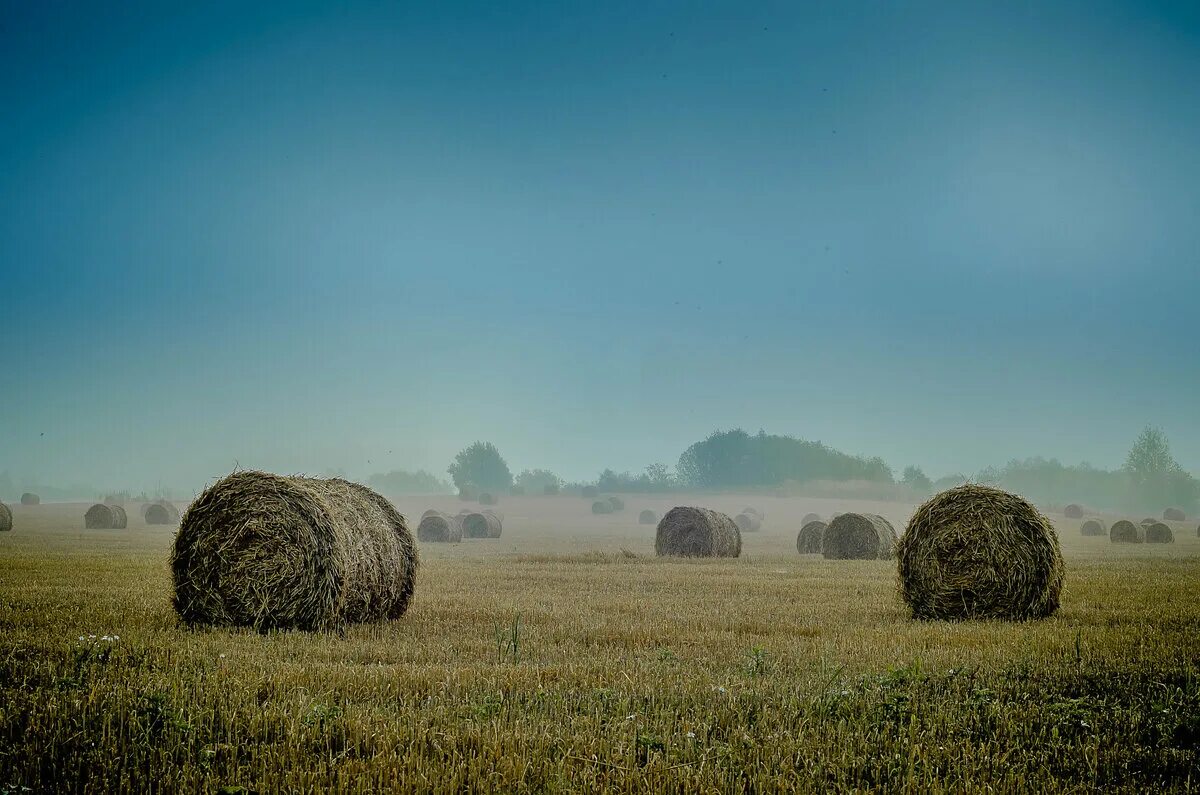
{"x": 979, "y": 552}
{"x": 858, "y": 536}
{"x": 808, "y": 540}
{"x": 697, "y": 533}
{"x": 270, "y": 551}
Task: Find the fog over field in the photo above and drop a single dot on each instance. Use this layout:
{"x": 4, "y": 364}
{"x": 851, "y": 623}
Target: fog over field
{"x": 307, "y": 237}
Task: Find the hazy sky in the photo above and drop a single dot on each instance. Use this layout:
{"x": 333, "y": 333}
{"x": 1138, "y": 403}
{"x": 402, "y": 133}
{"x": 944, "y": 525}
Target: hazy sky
{"x": 305, "y": 236}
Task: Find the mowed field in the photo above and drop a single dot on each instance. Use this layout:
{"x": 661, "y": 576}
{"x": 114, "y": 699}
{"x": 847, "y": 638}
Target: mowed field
{"x": 564, "y": 656}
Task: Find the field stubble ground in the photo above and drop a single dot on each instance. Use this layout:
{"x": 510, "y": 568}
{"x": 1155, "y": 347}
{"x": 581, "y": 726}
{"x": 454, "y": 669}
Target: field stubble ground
{"x": 565, "y": 657}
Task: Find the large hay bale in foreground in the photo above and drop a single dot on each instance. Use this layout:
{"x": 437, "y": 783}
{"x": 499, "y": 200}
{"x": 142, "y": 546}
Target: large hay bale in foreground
{"x": 438, "y": 528}
{"x": 647, "y": 517}
{"x": 980, "y": 552}
{"x": 1124, "y": 531}
{"x": 5, "y": 518}
{"x": 697, "y": 533}
{"x": 601, "y": 507}
{"x": 808, "y": 540}
{"x": 1159, "y": 533}
{"x": 105, "y": 517}
{"x": 1174, "y": 515}
{"x": 1073, "y": 511}
{"x": 482, "y": 524}
{"x": 748, "y": 522}
{"x": 858, "y": 536}
{"x": 1093, "y": 527}
{"x": 270, "y": 551}
{"x": 29, "y": 498}
{"x": 810, "y": 517}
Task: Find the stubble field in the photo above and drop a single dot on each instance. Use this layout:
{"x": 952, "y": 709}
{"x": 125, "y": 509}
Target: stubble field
{"x": 564, "y": 656}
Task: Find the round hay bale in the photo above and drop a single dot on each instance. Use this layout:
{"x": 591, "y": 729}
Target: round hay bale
{"x": 98, "y": 517}
{"x": 1159, "y": 533}
{"x": 482, "y": 524}
{"x": 697, "y": 533}
{"x": 269, "y": 551}
{"x": 979, "y": 552}
{"x": 487, "y": 498}
{"x": 438, "y": 528}
{"x": 1126, "y": 532}
{"x": 602, "y": 506}
{"x": 810, "y": 517}
{"x": 589, "y": 492}
{"x": 157, "y": 514}
{"x": 29, "y": 498}
{"x": 647, "y": 517}
{"x": 808, "y": 540}
{"x": 1174, "y": 515}
{"x": 858, "y": 536}
{"x": 748, "y": 522}
{"x": 430, "y": 512}
{"x": 1093, "y": 527}
{"x": 754, "y": 512}
{"x": 1073, "y": 511}
{"x": 120, "y": 518}
{"x": 1149, "y": 520}
{"x": 5, "y": 518}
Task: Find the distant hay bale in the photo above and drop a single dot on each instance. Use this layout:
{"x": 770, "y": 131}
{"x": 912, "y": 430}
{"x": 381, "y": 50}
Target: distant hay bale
{"x": 858, "y": 536}
{"x": 616, "y": 502}
{"x": 270, "y": 551}
{"x": 482, "y": 524}
{"x": 697, "y": 533}
{"x": 1073, "y": 511}
{"x": 1124, "y": 531}
{"x": 1149, "y": 520}
{"x": 487, "y": 498}
{"x": 647, "y": 517}
{"x": 438, "y": 528}
{"x": 430, "y": 512}
{"x": 157, "y": 513}
{"x": 808, "y": 540}
{"x": 29, "y": 498}
{"x": 1159, "y": 533}
{"x": 1093, "y": 527}
{"x": 105, "y": 517}
{"x": 589, "y": 492}
{"x": 601, "y": 507}
{"x": 5, "y": 518}
{"x": 810, "y": 517}
{"x": 748, "y": 522}
{"x": 754, "y": 512}
{"x": 1174, "y": 515}
{"x": 979, "y": 552}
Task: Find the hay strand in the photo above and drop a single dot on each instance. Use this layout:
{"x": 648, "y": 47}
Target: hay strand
{"x": 697, "y": 533}
{"x": 980, "y": 552}
{"x": 858, "y": 536}
{"x": 270, "y": 551}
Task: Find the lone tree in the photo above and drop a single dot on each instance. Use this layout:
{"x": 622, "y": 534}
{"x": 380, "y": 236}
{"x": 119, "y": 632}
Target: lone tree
{"x": 1156, "y": 477}
{"x": 482, "y": 466}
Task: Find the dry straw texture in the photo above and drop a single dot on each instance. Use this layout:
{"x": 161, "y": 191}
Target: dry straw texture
{"x": 1124, "y": 531}
{"x": 647, "y": 517}
{"x": 5, "y": 518}
{"x": 748, "y": 522}
{"x": 808, "y": 540}
{"x": 438, "y": 528}
{"x": 858, "y": 536}
{"x": 810, "y": 517}
{"x": 105, "y": 517}
{"x": 1073, "y": 511}
{"x": 979, "y": 552}
{"x": 29, "y": 498}
{"x": 1175, "y": 515}
{"x": 270, "y": 551}
{"x": 482, "y": 524}
{"x": 1093, "y": 527}
{"x": 602, "y": 506}
{"x": 1159, "y": 533}
{"x": 697, "y": 533}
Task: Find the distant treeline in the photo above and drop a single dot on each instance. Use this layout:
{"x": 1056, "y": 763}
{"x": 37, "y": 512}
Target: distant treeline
{"x": 400, "y": 481}
{"x": 732, "y": 459}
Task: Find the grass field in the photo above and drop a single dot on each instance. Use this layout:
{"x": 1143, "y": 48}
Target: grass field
{"x": 565, "y": 657}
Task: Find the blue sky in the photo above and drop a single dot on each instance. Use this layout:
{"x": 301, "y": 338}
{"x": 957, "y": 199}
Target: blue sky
{"x": 313, "y": 236}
